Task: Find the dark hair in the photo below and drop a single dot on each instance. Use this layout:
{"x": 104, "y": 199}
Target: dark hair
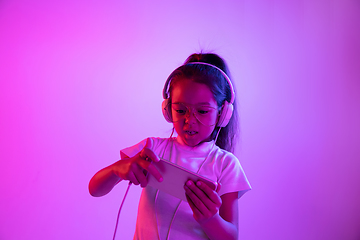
{"x": 218, "y": 85}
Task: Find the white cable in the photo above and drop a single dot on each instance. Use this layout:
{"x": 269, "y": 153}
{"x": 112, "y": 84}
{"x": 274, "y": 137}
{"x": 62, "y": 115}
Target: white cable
{"x": 121, "y": 205}
{"x": 126, "y": 192}
{"x": 177, "y": 207}
{"x": 172, "y": 220}
{"x": 157, "y": 221}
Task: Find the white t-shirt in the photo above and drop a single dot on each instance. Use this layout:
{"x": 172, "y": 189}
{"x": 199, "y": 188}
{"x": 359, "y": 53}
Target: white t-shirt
{"x": 157, "y": 209}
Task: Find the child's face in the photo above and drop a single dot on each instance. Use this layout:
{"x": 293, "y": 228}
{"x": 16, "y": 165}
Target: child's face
{"x": 196, "y": 111}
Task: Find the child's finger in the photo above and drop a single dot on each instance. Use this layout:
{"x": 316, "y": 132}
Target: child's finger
{"x": 149, "y": 143}
{"x": 153, "y": 171}
{"x": 147, "y": 153}
{"x": 213, "y": 196}
{"x": 149, "y": 168}
{"x": 137, "y": 170}
{"x": 203, "y": 200}
{"x": 196, "y": 211}
{"x": 196, "y": 202}
{"x": 132, "y": 178}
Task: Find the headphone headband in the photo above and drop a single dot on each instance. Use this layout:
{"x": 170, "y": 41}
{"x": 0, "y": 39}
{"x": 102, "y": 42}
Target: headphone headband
{"x": 167, "y": 83}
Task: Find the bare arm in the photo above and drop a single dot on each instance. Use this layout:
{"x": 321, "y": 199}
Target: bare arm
{"x": 103, "y": 182}
{"x": 132, "y": 169}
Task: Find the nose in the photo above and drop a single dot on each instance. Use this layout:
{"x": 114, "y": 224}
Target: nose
{"x": 190, "y": 116}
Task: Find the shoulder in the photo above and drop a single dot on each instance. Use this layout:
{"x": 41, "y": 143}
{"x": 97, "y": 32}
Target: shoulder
{"x": 230, "y": 173}
{"x": 224, "y": 157}
{"x": 157, "y": 140}
{"x": 151, "y": 142}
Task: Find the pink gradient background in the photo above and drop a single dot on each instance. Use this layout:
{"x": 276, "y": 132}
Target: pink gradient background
{"x": 82, "y": 79}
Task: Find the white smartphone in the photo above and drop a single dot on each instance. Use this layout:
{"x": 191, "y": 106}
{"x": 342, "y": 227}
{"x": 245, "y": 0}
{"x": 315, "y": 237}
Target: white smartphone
{"x": 174, "y": 179}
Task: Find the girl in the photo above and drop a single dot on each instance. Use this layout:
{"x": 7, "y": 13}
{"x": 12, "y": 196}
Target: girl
{"x": 199, "y": 102}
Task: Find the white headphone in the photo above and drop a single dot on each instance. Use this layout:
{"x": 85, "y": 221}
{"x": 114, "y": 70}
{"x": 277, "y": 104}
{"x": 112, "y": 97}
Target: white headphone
{"x": 226, "y": 109}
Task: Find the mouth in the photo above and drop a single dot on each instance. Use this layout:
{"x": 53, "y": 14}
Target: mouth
{"x": 190, "y": 133}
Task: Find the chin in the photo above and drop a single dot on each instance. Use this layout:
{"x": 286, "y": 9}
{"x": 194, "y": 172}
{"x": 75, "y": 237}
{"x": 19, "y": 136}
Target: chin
{"x": 191, "y": 142}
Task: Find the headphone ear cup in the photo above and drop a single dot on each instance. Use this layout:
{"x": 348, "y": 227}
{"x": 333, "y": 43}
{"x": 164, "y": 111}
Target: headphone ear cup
{"x": 225, "y": 115}
{"x": 166, "y": 110}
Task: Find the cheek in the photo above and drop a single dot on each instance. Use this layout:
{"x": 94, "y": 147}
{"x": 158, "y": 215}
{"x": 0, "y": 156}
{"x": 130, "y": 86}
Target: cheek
{"x": 207, "y": 131}
{"x": 177, "y": 125}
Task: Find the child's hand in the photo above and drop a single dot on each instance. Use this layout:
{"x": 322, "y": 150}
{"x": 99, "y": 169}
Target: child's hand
{"x": 135, "y": 169}
{"x": 204, "y": 202}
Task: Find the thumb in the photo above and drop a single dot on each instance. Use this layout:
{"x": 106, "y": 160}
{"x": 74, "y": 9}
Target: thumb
{"x": 149, "y": 143}
{"x": 147, "y": 152}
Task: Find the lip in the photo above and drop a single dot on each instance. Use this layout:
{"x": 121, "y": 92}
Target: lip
{"x": 190, "y": 133}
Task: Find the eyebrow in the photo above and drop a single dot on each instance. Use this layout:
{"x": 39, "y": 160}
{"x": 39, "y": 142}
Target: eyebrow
{"x": 201, "y": 103}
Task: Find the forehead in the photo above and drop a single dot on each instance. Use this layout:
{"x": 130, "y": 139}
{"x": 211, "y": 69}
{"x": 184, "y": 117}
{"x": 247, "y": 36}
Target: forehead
{"x": 187, "y": 91}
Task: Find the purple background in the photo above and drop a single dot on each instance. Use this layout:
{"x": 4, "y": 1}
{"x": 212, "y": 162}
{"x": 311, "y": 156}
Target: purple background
{"x": 81, "y": 80}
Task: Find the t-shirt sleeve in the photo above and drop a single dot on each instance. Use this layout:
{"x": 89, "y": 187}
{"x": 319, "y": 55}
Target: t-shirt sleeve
{"x": 133, "y": 150}
{"x": 233, "y": 178}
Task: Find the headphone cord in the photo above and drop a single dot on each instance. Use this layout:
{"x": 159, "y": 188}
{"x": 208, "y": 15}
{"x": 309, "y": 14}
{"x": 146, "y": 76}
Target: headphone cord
{"x": 177, "y": 207}
{"x": 126, "y": 192}
{"x": 121, "y": 205}
{"x": 156, "y": 195}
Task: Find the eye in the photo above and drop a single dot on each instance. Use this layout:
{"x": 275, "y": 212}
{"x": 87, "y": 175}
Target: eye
{"x": 202, "y": 111}
{"x": 180, "y": 111}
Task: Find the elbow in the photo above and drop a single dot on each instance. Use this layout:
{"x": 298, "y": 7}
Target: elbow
{"x": 93, "y": 189}
{"x": 98, "y": 190}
